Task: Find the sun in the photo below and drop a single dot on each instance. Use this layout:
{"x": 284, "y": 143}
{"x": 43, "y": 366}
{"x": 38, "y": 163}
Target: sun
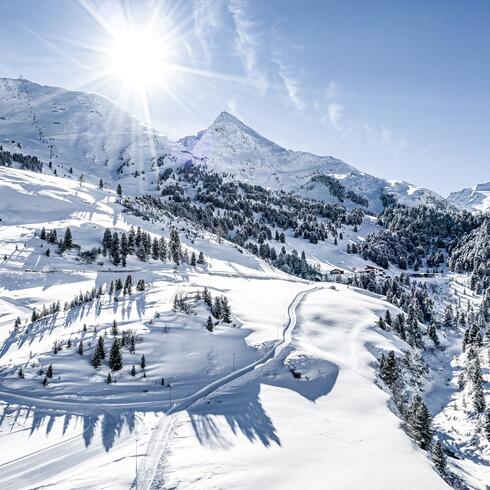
{"x": 137, "y": 59}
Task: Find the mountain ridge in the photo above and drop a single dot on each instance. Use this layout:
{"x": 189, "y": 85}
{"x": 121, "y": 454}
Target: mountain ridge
{"x": 91, "y": 134}
{"x": 476, "y": 198}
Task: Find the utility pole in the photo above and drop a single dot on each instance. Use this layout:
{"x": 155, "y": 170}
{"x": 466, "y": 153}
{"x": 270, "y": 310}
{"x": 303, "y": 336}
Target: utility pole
{"x": 136, "y": 464}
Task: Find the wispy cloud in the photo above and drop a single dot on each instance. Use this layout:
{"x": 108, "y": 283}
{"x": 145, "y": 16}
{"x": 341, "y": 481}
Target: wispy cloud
{"x": 207, "y": 20}
{"x": 338, "y": 117}
{"x": 249, "y": 43}
{"x": 292, "y": 86}
{"x": 334, "y": 113}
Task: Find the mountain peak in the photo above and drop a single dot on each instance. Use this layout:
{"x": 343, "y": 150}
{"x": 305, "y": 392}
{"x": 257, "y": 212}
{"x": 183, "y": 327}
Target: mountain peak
{"x": 224, "y": 116}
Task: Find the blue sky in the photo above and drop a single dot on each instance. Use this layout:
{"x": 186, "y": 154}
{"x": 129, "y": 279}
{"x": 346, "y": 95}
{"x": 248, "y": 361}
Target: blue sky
{"x": 398, "y": 89}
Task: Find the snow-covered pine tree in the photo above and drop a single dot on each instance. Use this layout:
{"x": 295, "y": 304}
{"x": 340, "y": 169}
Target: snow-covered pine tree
{"x": 101, "y": 347}
{"x": 388, "y": 369}
{"x": 477, "y": 386}
{"x": 439, "y": 458}
{"x": 114, "y": 329}
{"x": 420, "y": 422}
{"x": 115, "y": 356}
{"x": 68, "y": 239}
{"x": 225, "y": 310}
{"x": 175, "y": 247}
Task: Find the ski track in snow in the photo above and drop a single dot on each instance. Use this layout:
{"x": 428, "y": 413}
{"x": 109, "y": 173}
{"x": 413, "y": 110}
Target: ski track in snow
{"x": 159, "y": 440}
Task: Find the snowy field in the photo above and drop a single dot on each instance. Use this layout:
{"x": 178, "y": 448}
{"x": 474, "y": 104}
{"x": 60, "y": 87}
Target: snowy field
{"x": 283, "y": 396}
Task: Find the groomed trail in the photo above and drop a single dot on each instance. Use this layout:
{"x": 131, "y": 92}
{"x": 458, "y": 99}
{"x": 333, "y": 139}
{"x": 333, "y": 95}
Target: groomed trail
{"x": 159, "y": 439}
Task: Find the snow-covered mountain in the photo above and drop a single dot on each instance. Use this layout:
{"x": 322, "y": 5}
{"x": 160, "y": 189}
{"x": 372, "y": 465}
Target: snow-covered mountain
{"x": 230, "y": 146}
{"x": 476, "y": 198}
{"x": 82, "y": 131}
{"x": 94, "y": 136}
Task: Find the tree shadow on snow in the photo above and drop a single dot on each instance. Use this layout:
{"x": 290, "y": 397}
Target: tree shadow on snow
{"x": 240, "y": 406}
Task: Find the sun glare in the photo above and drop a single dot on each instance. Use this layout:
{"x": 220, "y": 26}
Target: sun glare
{"x": 137, "y": 59}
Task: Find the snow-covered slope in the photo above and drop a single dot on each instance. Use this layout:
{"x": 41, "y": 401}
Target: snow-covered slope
{"x": 476, "y": 198}
{"x": 323, "y": 430}
{"x": 82, "y": 430}
{"x": 82, "y": 131}
{"x": 230, "y": 146}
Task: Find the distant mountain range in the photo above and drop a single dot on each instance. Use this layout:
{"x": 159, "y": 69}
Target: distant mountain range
{"x": 89, "y": 133}
{"x": 476, "y": 198}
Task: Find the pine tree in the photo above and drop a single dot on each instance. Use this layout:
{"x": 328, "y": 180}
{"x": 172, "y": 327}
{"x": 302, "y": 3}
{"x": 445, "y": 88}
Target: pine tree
{"x": 53, "y": 236}
{"x": 143, "y": 362}
{"x": 216, "y": 310}
{"x": 132, "y": 346}
{"x": 115, "y": 356}
{"x": 96, "y": 361}
{"x": 45, "y": 381}
{"x": 210, "y": 324}
{"x": 68, "y": 240}
{"x": 225, "y": 310}
{"x": 119, "y": 190}
{"x": 388, "y": 318}
{"x": 128, "y": 284}
{"x": 101, "y": 347}
{"x": 206, "y": 296}
{"x": 432, "y": 333}
{"x": 201, "y": 260}
{"x": 115, "y": 249}
{"x": 155, "y": 249}
{"x": 175, "y": 247}
{"x": 141, "y": 252}
{"x": 80, "y": 348}
{"x": 141, "y": 285}
{"x": 193, "y": 259}
{"x": 101, "y": 184}
{"x": 124, "y": 245}
{"x": 420, "y": 421}
{"x": 108, "y": 380}
{"x": 106, "y": 241}
{"x": 477, "y": 388}
{"x": 388, "y": 369}
{"x": 20, "y": 373}
{"x": 49, "y": 372}
{"x": 381, "y": 324}
{"x": 114, "y": 329}
{"x": 35, "y": 315}
{"x": 42, "y": 235}
{"x": 486, "y": 425}
{"x": 439, "y": 458}
{"x": 133, "y": 371}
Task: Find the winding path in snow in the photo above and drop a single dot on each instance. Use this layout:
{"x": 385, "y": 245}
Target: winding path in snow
{"x": 159, "y": 439}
